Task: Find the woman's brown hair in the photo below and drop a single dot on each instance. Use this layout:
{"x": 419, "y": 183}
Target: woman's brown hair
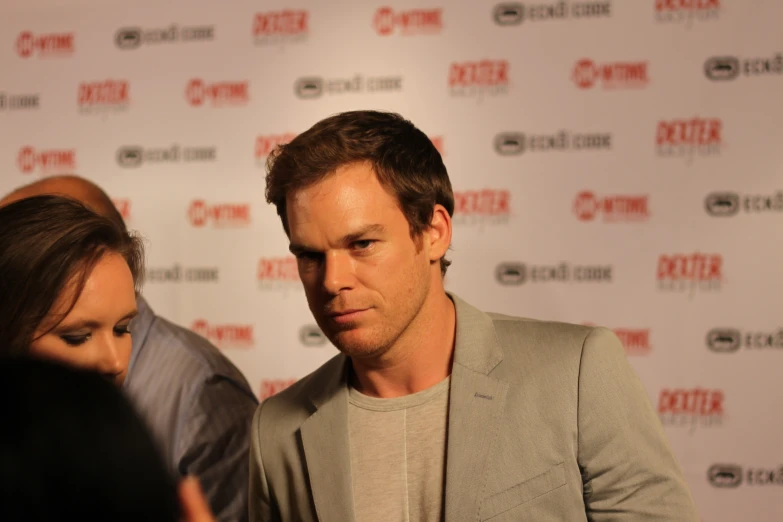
{"x": 48, "y": 243}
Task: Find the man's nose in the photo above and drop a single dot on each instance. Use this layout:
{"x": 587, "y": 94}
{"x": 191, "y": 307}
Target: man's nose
{"x": 338, "y": 272}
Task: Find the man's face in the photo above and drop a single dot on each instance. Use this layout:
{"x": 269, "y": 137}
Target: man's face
{"x": 364, "y": 276}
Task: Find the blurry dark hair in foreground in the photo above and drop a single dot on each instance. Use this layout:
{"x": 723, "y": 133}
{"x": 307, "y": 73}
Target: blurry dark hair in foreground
{"x": 73, "y": 449}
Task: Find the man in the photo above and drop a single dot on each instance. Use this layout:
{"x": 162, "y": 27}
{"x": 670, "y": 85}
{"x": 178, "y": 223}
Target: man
{"x": 197, "y": 404}
{"x": 435, "y": 410}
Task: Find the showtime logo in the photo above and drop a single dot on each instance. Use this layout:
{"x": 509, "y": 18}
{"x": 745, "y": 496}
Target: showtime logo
{"x": 103, "y": 96}
{"x": 613, "y": 208}
{"x": 266, "y": 144}
{"x": 691, "y": 407}
{"x": 52, "y": 45}
{"x": 486, "y": 206}
{"x": 278, "y": 273}
{"x": 219, "y": 215}
{"x": 686, "y": 11}
{"x": 271, "y": 387}
{"x": 220, "y": 94}
{"x": 636, "y": 341}
{"x": 280, "y": 27}
{"x": 688, "y": 138}
{"x": 690, "y": 272}
{"x": 123, "y": 206}
{"x": 415, "y": 21}
{"x": 225, "y": 335}
{"x": 587, "y": 74}
{"x": 48, "y": 162}
{"x": 479, "y": 79}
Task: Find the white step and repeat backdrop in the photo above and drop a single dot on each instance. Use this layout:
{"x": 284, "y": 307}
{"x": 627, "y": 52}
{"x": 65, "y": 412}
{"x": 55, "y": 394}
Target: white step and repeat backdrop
{"x": 615, "y": 163}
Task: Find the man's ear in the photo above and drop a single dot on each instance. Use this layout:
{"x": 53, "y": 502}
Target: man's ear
{"x": 438, "y": 235}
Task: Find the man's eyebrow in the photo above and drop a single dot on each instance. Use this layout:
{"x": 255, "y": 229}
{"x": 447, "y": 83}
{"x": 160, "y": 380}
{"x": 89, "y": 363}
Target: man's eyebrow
{"x": 298, "y": 248}
{"x": 369, "y": 229}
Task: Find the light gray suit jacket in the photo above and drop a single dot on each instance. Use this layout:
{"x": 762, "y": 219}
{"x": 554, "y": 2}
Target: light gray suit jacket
{"x": 547, "y": 422}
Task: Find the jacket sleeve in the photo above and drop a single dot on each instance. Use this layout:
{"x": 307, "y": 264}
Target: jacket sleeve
{"x": 214, "y": 445}
{"x": 628, "y": 468}
{"x": 259, "y": 497}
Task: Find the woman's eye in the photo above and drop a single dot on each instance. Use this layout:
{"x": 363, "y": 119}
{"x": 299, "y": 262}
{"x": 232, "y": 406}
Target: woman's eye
{"x": 75, "y": 340}
{"x": 122, "y": 330}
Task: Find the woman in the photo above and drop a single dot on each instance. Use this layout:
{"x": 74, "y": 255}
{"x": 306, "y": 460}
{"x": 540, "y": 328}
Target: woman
{"x": 67, "y": 280}
{"x": 71, "y": 447}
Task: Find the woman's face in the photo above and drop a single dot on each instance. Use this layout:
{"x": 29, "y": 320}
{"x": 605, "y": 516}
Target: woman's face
{"x": 94, "y": 335}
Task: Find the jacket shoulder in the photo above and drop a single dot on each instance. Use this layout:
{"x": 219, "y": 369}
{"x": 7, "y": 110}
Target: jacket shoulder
{"x": 285, "y": 411}
{"x": 532, "y": 343}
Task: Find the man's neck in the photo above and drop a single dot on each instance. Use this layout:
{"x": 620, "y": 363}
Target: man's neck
{"x": 421, "y": 357}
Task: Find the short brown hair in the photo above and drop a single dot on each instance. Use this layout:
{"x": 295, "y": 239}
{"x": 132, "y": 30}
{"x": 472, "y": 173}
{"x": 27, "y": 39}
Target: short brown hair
{"x": 403, "y": 157}
{"x": 46, "y": 242}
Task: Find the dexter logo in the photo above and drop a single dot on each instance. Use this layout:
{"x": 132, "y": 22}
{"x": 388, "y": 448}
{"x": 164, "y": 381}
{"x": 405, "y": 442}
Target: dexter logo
{"x": 308, "y": 88}
{"x": 311, "y": 335}
{"x": 105, "y": 93}
{"x": 722, "y": 68}
{"x": 725, "y": 475}
{"x": 130, "y": 156}
{"x": 278, "y": 269}
{"x": 509, "y": 14}
{"x": 724, "y": 340}
{"x": 484, "y": 73}
{"x": 510, "y": 143}
{"x": 722, "y": 204}
{"x": 128, "y": 38}
{"x": 511, "y": 273}
{"x": 287, "y": 23}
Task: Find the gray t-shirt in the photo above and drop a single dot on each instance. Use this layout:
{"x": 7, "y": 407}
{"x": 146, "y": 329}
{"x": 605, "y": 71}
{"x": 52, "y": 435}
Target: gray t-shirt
{"x": 398, "y": 455}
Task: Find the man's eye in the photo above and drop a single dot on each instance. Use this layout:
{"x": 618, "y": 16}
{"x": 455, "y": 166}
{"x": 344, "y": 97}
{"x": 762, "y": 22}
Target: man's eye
{"x": 363, "y": 243}
{"x": 75, "y": 340}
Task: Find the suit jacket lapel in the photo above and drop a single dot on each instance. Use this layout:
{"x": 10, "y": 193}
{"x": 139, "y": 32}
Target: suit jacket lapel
{"x": 475, "y": 411}
{"x": 327, "y": 450}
